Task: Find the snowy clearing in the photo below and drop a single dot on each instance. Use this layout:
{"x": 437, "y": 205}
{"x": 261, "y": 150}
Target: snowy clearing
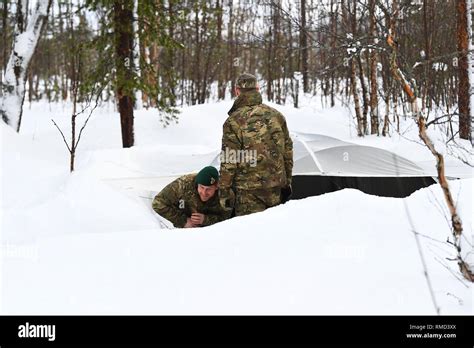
{"x": 72, "y": 244}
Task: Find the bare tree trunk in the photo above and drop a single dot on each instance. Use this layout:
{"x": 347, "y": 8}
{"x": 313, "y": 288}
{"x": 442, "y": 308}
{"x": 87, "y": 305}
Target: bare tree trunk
{"x": 221, "y": 84}
{"x": 396, "y": 117}
{"x": 295, "y": 78}
{"x": 207, "y": 60}
{"x": 171, "y": 56}
{"x": 387, "y": 86}
{"x": 386, "y": 121}
{"x": 355, "y": 94}
{"x": 428, "y": 37}
{"x": 347, "y": 21}
{"x": 4, "y": 33}
{"x": 123, "y": 24}
{"x": 333, "y": 48}
{"x": 197, "y": 62}
{"x": 75, "y": 66}
{"x": 470, "y": 61}
{"x": 463, "y": 71}
{"x": 270, "y": 59}
{"x": 64, "y": 75}
{"x": 183, "y": 69}
{"x": 304, "y": 47}
{"x": 24, "y": 44}
{"x": 73, "y": 121}
{"x": 30, "y": 87}
{"x": 229, "y": 67}
{"x": 144, "y": 47}
{"x": 276, "y": 63}
{"x": 365, "y": 98}
{"x": 374, "y": 112}
{"x": 361, "y": 76}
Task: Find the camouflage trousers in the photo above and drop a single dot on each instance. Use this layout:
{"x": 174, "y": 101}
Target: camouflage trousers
{"x": 253, "y": 201}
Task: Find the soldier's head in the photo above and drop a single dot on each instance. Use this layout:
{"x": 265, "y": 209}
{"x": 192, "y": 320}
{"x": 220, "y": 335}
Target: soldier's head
{"x": 207, "y": 182}
{"x": 246, "y": 82}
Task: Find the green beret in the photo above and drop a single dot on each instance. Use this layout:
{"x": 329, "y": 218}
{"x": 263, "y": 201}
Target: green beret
{"x": 247, "y": 81}
{"x": 207, "y": 176}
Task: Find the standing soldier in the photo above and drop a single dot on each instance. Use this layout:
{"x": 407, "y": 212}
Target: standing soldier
{"x": 258, "y": 131}
{"x": 192, "y": 200}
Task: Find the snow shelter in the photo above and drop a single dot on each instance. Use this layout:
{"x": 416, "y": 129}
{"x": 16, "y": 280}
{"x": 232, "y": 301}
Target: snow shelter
{"x": 324, "y": 164}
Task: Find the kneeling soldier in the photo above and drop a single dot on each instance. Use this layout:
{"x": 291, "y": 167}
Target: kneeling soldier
{"x": 192, "y": 200}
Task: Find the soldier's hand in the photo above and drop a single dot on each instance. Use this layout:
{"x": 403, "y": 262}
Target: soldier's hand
{"x": 189, "y": 223}
{"x": 197, "y": 218}
{"x": 286, "y": 193}
{"x": 227, "y": 199}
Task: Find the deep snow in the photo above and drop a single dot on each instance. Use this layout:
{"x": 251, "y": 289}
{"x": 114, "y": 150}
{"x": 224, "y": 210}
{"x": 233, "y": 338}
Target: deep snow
{"x": 73, "y": 244}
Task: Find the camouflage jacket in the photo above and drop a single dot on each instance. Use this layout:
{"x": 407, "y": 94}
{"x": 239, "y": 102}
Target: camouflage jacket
{"x": 261, "y": 132}
{"x": 179, "y": 199}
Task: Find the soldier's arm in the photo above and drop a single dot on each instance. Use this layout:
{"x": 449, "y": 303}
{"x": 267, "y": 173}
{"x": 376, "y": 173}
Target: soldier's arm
{"x": 210, "y": 219}
{"x": 287, "y": 149}
{"x": 230, "y": 141}
{"x": 214, "y": 218}
{"x": 167, "y": 204}
{"x": 288, "y": 152}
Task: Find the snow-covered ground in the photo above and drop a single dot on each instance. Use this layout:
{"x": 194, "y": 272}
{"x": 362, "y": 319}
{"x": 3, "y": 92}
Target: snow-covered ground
{"x": 74, "y": 244}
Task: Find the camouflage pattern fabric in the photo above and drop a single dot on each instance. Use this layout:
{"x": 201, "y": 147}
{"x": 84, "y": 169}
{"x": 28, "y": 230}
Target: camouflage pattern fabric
{"x": 246, "y": 81}
{"x": 258, "y": 129}
{"x": 179, "y": 199}
{"x": 253, "y": 201}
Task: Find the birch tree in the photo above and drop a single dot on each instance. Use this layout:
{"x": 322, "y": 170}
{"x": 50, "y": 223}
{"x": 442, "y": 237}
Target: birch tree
{"x": 136, "y": 54}
{"x": 26, "y": 36}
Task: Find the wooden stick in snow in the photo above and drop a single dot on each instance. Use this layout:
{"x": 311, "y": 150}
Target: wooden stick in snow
{"x": 421, "y": 121}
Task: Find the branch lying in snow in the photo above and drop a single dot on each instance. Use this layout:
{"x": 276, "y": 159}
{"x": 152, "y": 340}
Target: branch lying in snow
{"x": 410, "y": 92}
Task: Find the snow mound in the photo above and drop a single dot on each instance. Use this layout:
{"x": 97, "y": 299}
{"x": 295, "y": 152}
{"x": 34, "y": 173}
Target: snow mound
{"x": 72, "y": 244}
{"x": 340, "y": 253}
